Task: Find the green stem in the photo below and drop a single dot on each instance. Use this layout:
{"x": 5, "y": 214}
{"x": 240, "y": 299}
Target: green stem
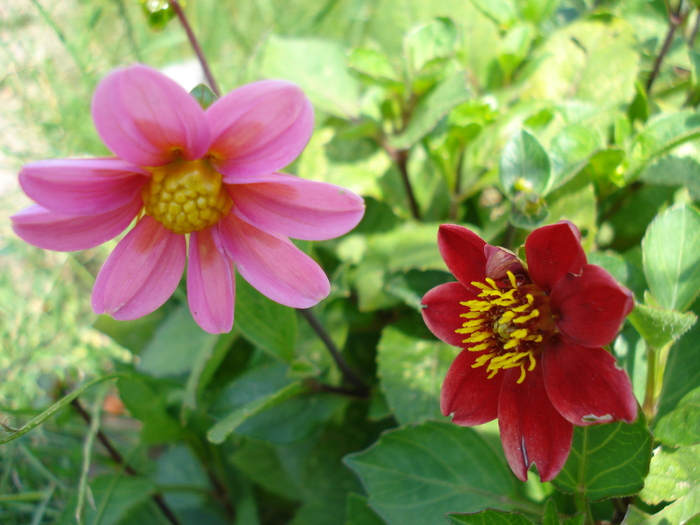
{"x": 584, "y": 506}
{"x": 649, "y": 405}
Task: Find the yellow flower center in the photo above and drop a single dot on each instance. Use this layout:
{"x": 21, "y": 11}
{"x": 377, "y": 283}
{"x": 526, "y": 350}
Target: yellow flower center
{"x": 186, "y": 196}
{"x": 509, "y": 325}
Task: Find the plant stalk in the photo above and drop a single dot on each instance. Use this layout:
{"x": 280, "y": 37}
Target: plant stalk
{"x": 117, "y": 457}
{"x": 348, "y": 373}
{"x": 674, "y": 20}
{"x": 195, "y": 46}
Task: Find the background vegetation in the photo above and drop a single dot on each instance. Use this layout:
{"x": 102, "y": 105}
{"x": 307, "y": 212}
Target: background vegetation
{"x": 501, "y": 115}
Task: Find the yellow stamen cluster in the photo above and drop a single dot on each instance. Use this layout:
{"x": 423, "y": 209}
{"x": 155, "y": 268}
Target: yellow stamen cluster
{"x": 505, "y": 324}
{"x": 186, "y": 196}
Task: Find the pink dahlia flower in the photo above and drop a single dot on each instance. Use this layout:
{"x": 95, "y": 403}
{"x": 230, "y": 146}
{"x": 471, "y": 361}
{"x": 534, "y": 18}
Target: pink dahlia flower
{"x": 183, "y": 171}
{"x": 532, "y": 339}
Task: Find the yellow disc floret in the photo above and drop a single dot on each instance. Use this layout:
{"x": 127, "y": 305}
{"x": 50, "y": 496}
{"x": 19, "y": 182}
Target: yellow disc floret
{"x": 186, "y": 196}
{"x": 508, "y": 324}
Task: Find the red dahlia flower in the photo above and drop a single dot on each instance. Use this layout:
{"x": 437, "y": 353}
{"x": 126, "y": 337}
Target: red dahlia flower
{"x": 532, "y": 339}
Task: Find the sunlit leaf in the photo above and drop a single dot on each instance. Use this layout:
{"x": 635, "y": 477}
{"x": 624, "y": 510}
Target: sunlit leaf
{"x": 682, "y": 426}
{"x": 658, "y": 326}
{"x": 671, "y": 249}
{"x": 672, "y": 475}
{"x": 525, "y": 166}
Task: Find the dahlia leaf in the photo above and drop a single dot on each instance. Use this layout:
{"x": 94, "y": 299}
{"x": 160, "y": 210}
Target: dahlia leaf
{"x": 661, "y": 135}
{"x": 525, "y": 167}
{"x": 219, "y": 432}
{"x": 432, "y": 108}
{"x": 264, "y": 322}
{"x": 360, "y": 513}
{"x": 682, "y": 426}
{"x": 682, "y": 372}
{"x": 433, "y": 41}
{"x": 659, "y": 327}
{"x": 411, "y": 372}
{"x": 416, "y": 474}
{"x": 672, "y": 475}
{"x": 170, "y": 353}
{"x": 319, "y": 68}
{"x": 373, "y": 64}
{"x": 607, "y": 460}
{"x": 685, "y": 510}
{"x": 490, "y": 517}
{"x": 204, "y": 95}
{"x": 671, "y": 253}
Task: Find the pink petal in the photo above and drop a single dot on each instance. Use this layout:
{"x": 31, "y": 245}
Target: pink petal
{"x": 441, "y": 311}
{"x": 468, "y": 394}
{"x": 591, "y": 306}
{"x": 259, "y": 128}
{"x": 297, "y": 208}
{"x": 552, "y": 252}
{"x": 273, "y": 265}
{"x": 210, "y": 283}
{"x": 586, "y": 386}
{"x": 463, "y": 252}
{"x": 147, "y": 119}
{"x": 141, "y": 273}
{"x": 67, "y": 233}
{"x": 82, "y": 186}
{"x": 532, "y": 431}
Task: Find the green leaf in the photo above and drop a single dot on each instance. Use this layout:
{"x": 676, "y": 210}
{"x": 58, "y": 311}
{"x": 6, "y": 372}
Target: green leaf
{"x": 607, "y": 460}
{"x": 207, "y": 361}
{"x": 175, "y": 345}
{"x": 659, "y": 327}
{"x": 682, "y": 372}
{"x": 502, "y": 12}
{"x": 133, "y": 335}
{"x": 116, "y": 497}
{"x": 204, "y": 95}
{"x": 671, "y": 250}
{"x": 360, "y": 513}
{"x": 416, "y": 474}
{"x": 570, "y": 151}
{"x": 60, "y": 404}
{"x": 318, "y": 67}
{"x": 260, "y": 461}
{"x": 682, "y": 426}
{"x": 146, "y": 399}
{"x": 537, "y": 10}
{"x": 219, "y": 432}
{"x": 411, "y": 372}
{"x": 524, "y": 166}
{"x": 673, "y": 473}
{"x": 659, "y": 136}
{"x": 432, "y": 108}
{"x": 265, "y": 323}
{"x": 435, "y": 40}
{"x": 675, "y": 171}
{"x": 685, "y": 511}
{"x": 490, "y": 517}
{"x": 593, "y": 60}
{"x": 372, "y": 64}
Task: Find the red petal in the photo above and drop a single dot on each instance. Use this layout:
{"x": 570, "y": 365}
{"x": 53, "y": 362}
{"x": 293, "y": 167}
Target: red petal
{"x": 591, "y": 306}
{"x": 441, "y": 311}
{"x": 552, "y": 252}
{"x": 532, "y": 431}
{"x": 586, "y": 386}
{"x": 468, "y": 393}
{"x": 463, "y": 252}
{"x": 499, "y": 262}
